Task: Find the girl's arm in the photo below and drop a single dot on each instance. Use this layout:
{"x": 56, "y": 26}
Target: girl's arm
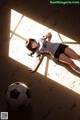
{"x": 39, "y": 59}
{"x": 47, "y": 36}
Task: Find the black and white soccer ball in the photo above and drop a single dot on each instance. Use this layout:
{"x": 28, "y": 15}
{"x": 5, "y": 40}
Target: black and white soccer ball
{"x": 18, "y": 96}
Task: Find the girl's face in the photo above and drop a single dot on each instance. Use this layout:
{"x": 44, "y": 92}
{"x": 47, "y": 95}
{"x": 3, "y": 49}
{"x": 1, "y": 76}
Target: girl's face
{"x": 33, "y": 44}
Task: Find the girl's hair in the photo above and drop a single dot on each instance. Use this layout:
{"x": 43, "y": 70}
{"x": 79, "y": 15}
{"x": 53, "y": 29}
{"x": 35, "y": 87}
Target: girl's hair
{"x": 28, "y": 46}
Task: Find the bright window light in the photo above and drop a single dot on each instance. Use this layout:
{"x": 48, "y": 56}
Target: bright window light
{"x": 21, "y": 28}
{"x": 15, "y": 17}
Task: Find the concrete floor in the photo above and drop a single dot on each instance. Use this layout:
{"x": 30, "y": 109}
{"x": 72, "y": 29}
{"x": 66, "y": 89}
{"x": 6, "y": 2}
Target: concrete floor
{"x": 50, "y": 100}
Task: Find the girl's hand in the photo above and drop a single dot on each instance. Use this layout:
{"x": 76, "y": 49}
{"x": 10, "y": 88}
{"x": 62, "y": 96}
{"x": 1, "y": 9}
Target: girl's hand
{"x": 48, "y": 35}
{"x": 32, "y": 70}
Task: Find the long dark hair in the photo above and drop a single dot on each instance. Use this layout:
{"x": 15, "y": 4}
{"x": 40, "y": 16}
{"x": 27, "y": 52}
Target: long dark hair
{"x": 30, "y": 48}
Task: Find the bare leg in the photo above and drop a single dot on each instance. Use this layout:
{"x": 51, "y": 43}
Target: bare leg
{"x": 65, "y": 59}
{"x": 71, "y": 53}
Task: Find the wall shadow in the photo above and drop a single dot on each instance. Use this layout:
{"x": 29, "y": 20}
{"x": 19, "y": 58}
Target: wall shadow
{"x": 25, "y": 114}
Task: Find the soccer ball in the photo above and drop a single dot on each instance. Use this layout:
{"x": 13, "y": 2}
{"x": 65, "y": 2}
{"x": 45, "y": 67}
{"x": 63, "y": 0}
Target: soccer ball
{"x": 18, "y": 96}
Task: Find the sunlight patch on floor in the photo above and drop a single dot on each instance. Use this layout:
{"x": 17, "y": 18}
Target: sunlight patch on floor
{"x": 22, "y": 28}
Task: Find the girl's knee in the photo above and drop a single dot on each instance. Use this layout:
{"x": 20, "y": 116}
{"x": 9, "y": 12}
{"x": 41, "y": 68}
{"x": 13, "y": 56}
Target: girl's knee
{"x": 71, "y": 63}
{"x": 79, "y": 57}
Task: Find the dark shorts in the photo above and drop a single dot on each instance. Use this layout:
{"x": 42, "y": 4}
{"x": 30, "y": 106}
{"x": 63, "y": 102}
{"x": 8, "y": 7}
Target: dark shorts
{"x": 60, "y": 50}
